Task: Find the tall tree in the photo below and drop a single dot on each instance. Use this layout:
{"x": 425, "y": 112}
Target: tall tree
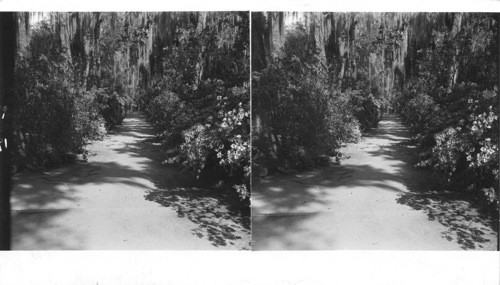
{"x": 455, "y": 30}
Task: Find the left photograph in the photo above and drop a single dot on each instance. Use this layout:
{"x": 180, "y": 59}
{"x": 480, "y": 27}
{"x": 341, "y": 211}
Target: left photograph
{"x": 129, "y": 130}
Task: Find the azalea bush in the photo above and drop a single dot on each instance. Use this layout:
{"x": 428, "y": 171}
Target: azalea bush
{"x": 55, "y": 116}
{"x": 301, "y": 114}
{"x": 366, "y": 108}
{"x": 468, "y": 152}
{"x": 110, "y": 107}
{"x": 47, "y": 118}
{"x": 201, "y": 111}
{"x": 420, "y": 111}
{"x": 459, "y": 137}
{"x": 221, "y": 143}
{"x": 456, "y": 123}
{"x": 50, "y": 120}
{"x": 211, "y": 143}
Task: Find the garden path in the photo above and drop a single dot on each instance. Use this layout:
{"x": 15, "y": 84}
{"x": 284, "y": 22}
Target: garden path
{"x": 122, "y": 198}
{"x": 375, "y": 199}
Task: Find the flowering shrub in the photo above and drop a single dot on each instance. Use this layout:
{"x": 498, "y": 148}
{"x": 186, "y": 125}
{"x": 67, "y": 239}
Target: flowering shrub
{"x": 456, "y": 121}
{"x": 222, "y": 140}
{"x": 459, "y": 137}
{"x": 469, "y": 152}
{"x": 199, "y": 104}
{"x": 234, "y": 123}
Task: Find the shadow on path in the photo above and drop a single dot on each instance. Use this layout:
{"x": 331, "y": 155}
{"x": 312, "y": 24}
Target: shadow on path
{"x": 212, "y": 212}
{"x": 219, "y": 216}
{"x": 376, "y": 175}
{"x": 468, "y": 222}
{"x": 126, "y": 165}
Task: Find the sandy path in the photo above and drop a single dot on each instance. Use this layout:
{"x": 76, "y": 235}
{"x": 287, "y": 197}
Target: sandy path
{"x": 374, "y": 200}
{"x": 122, "y": 198}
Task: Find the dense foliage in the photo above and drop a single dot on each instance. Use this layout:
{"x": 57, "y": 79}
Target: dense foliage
{"x": 55, "y": 117}
{"x": 456, "y": 117}
{"x": 303, "y": 113}
{"x": 200, "y": 102}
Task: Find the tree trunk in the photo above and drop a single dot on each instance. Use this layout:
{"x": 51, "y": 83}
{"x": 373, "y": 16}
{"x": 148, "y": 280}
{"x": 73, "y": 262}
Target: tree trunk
{"x": 200, "y": 62}
{"x": 342, "y": 69}
{"x": 63, "y": 19}
{"x": 88, "y": 59}
{"x": 268, "y": 38}
{"x": 261, "y": 40}
{"x": 457, "y": 23}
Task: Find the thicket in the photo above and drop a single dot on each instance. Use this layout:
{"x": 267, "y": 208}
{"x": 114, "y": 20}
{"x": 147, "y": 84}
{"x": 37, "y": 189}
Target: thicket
{"x": 55, "y": 115}
{"x": 303, "y": 113}
{"x": 452, "y": 105}
{"x": 199, "y": 103}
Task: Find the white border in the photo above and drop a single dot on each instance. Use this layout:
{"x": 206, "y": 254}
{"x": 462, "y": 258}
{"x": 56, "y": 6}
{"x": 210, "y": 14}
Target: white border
{"x": 210, "y": 267}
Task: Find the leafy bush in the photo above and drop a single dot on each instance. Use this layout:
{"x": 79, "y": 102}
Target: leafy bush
{"x": 112, "y": 109}
{"x": 468, "y": 153}
{"x": 55, "y": 117}
{"x": 164, "y": 112}
{"x": 109, "y": 107}
{"x": 300, "y": 114}
{"x": 456, "y": 124}
{"x": 199, "y": 104}
{"x": 419, "y": 112}
{"x": 89, "y": 119}
{"x": 306, "y": 120}
{"x": 367, "y": 109}
{"x": 47, "y": 114}
{"x": 218, "y": 147}
{"x": 222, "y": 135}
{"x": 46, "y": 117}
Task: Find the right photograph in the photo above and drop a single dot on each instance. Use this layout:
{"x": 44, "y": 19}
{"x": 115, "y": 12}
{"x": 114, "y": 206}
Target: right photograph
{"x": 375, "y": 131}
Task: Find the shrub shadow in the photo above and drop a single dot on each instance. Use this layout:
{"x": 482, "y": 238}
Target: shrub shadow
{"x": 275, "y": 198}
{"x": 41, "y": 198}
{"x": 215, "y": 216}
{"x": 469, "y": 221}
{"x": 465, "y": 221}
{"x": 218, "y": 214}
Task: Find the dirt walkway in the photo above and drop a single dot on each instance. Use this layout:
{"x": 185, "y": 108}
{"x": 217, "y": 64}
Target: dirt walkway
{"x": 374, "y": 200}
{"x": 123, "y": 198}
